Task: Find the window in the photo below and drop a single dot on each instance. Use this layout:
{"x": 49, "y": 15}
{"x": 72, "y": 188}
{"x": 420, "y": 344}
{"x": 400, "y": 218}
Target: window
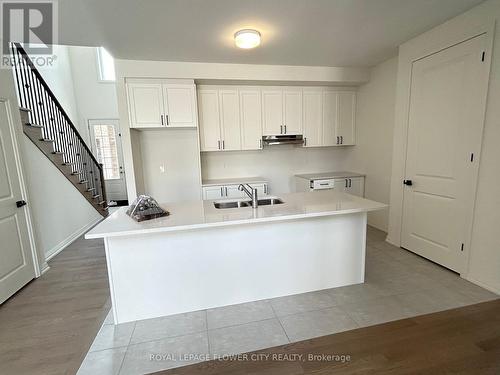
{"x": 107, "y": 151}
{"x": 106, "y": 65}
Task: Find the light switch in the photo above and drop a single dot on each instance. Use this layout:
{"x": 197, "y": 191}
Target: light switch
{"x": 163, "y": 168}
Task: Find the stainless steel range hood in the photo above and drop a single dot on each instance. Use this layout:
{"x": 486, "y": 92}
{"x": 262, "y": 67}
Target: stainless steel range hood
{"x": 271, "y": 140}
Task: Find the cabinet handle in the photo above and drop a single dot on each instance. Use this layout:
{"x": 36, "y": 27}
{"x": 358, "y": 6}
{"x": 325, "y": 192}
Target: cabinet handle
{"x": 350, "y": 182}
{"x": 260, "y": 143}
{"x": 218, "y": 146}
{"x": 162, "y": 123}
{"x": 226, "y": 190}
{"x": 285, "y": 129}
{"x": 341, "y": 140}
{"x": 305, "y": 141}
{"x": 223, "y": 145}
{"x": 338, "y": 139}
{"x": 168, "y": 123}
{"x": 281, "y": 129}
{"x": 265, "y": 189}
{"x": 345, "y": 183}
{"x": 221, "y": 192}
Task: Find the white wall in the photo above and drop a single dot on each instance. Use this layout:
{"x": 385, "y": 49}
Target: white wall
{"x": 96, "y": 99}
{"x": 277, "y": 164}
{"x": 372, "y": 154}
{"x": 60, "y": 80}
{"x": 484, "y": 253}
{"x": 60, "y": 213}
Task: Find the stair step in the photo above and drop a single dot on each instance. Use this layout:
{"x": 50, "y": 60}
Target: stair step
{"x": 90, "y": 189}
{"x": 95, "y": 196}
{"x": 33, "y": 125}
{"x": 46, "y": 140}
{"x": 58, "y": 152}
{"x": 102, "y": 202}
{"x": 68, "y": 163}
{"x": 83, "y": 181}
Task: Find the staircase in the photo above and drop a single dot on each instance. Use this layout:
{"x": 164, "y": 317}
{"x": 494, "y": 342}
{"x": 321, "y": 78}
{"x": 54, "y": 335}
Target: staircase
{"x": 48, "y": 126}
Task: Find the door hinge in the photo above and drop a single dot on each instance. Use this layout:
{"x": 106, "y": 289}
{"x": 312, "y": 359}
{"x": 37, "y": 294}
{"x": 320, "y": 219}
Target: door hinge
{"x": 462, "y": 247}
{"x": 472, "y": 157}
{"x": 483, "y": 55}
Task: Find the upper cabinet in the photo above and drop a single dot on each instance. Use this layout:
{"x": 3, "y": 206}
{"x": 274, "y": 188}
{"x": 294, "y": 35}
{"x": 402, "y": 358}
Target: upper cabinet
{"x": 236, "y": 117}
{"x": 282, "y": 110}
{"x": 161, "y": 103}
{"x": 230, "y": 118}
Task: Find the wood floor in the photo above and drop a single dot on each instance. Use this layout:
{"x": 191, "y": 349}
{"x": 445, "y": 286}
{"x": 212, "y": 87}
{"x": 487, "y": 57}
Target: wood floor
{"x": 49, "y": 325}
{"x": 459, "y": 341}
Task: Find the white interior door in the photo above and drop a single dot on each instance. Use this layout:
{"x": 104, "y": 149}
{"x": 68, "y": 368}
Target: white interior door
{"x": 16, "y": 255}
{"x": 107, "y": 147}
{"x": 146, "y": 105}
{"x": 445, "y": 119}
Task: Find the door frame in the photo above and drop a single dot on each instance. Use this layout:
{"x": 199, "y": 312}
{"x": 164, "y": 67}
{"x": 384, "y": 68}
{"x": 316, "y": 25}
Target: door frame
{"x": 16, "y": 134}
{"x": 120, "y": 157}
{"x": 462, "y": 28}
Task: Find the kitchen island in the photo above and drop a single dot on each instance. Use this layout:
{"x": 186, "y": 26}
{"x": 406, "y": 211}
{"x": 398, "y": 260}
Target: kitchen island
{"x": 202, "y": 257}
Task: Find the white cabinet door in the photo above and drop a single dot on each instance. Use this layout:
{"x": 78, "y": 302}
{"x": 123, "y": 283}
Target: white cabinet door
{"x": 230, "y": 119}
{"x": 340, "y": 184}
{"x": 261, "y": 189}
{"x": 231, "y": 191}
{"x": 346, "y": 117}
{"x": 180, "y": 105}
{"x": 208, "y": 108}
{"x": 330, "y": 118}
{"x": 213, "y": 192}
{"x": 292, "y": 110}
{"x": 272, "y": 111}
{"x": 251, "y": 119}
{"x": 356, "y": 186}
{"x": 313, "y": 121}
{"x": 145, "y": 105}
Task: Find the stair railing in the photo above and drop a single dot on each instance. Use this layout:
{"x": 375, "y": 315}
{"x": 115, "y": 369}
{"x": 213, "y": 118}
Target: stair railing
{"x": 47, "y": 113}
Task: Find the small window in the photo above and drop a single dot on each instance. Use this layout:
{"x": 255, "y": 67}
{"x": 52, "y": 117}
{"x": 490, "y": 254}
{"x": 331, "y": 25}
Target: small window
{"x": 106, "y": 65}
{"x": 107, "y": 151}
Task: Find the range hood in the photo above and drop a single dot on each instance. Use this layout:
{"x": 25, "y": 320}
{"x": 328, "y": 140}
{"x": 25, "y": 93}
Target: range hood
{"x": 271, "y": 140}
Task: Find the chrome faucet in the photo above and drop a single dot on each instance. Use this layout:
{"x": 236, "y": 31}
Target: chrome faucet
{"x": 251, "y": 192}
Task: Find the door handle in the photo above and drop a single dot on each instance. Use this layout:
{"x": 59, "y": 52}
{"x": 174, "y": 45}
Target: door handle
{"x": 20, "y": 203}
{"x": 408, "y": 182}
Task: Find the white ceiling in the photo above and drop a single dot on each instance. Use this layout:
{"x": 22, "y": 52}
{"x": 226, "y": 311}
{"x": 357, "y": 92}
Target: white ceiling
{"x": 294, "y": 32}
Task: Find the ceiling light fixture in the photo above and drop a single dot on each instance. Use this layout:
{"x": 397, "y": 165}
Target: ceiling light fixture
{"x": 247, "y": 38}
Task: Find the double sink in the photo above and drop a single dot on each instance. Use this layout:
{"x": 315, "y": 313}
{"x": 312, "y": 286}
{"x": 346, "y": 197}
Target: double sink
{"x": 247, "y": 203}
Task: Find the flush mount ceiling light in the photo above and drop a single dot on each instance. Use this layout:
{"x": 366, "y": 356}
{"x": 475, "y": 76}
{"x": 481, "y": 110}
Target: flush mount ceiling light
{"x": 247, "y": 38}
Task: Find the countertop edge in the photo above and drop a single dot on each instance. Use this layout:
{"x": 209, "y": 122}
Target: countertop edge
{"x": 183, "y": 228}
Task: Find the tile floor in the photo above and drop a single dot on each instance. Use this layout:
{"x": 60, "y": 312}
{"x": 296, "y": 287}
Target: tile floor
{"x": 398, "y": 285}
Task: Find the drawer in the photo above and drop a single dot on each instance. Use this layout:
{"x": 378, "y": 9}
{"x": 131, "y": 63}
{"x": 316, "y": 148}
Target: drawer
{"x": 323, "y": 184}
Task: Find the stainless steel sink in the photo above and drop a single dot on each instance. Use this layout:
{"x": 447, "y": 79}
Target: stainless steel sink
{"x": 269, "y": 201}
{"x": 234, "y": 204}
{"x": 238, "y": 204}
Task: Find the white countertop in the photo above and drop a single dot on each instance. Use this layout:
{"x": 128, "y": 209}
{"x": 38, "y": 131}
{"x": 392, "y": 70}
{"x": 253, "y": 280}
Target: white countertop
{"x": 233, "y": 181}
{"x": 203, "y": 214}
{"x": 322, "y": 175}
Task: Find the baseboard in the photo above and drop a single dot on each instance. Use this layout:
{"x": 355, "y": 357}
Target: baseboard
{"x": 64, "y": 243}
{"x": 482, "y": 285}
{"x": 376, "y": 226}
{"x": 45, "y": 268}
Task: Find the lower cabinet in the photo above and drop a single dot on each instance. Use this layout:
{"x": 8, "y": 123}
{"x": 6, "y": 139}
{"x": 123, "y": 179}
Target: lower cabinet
{"x": 352, "y": 185}
{"x": 231, "y": 191}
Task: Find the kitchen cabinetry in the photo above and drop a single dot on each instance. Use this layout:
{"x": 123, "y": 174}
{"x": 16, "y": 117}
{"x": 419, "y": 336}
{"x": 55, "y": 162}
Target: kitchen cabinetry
{"x": 161, "y": 104}
{"x": 313, "y": 122}
{"x": 230, "y": 118}
{"x": 346, "y": 118}
{"x": 282, "y": 110}
{"x": 231, "y": 191}
{"x": 351, "y": 185}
